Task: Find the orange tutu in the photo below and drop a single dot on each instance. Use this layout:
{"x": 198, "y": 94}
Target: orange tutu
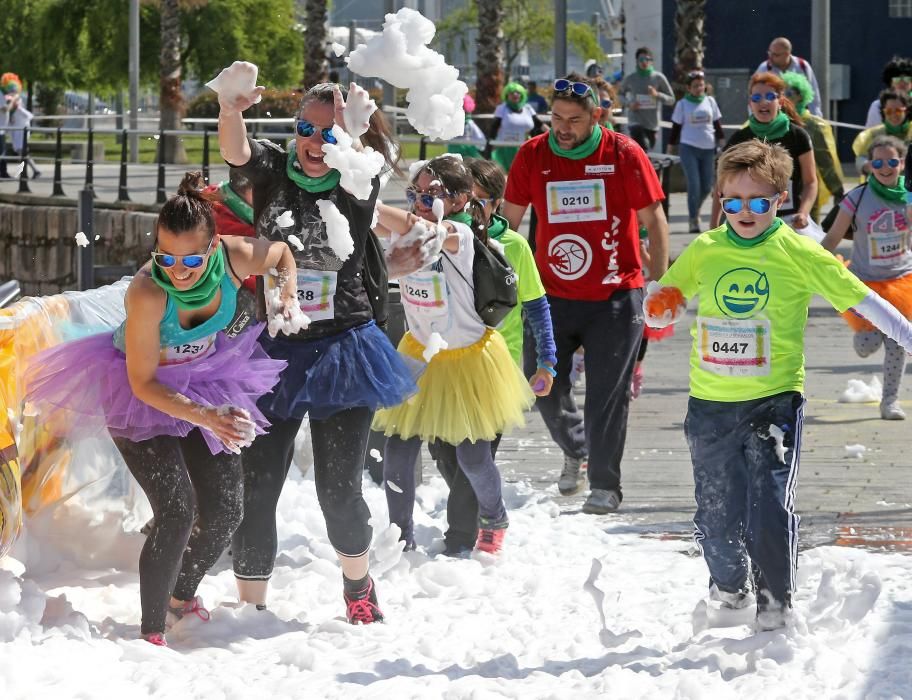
{"x": 898, "y": 292}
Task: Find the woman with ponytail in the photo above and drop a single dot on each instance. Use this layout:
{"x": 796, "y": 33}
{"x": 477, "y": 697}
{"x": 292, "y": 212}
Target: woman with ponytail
{"x": 178, "y": 397}
{"x": 341, "y": 367}
{"x": 471, "y": 391}
{"x": 773, "y": 119}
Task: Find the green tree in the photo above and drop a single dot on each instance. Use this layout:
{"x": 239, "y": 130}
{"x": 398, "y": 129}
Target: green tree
{"x": 690, "y": 16}
{"x": 490, "y": 56}
{"x": 315, "y": 43}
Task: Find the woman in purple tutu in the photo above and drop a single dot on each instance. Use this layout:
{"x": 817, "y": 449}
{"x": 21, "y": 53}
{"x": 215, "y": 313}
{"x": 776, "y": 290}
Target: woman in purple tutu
{"x": 341, "y": 367}
{"x": 176, "y": 393}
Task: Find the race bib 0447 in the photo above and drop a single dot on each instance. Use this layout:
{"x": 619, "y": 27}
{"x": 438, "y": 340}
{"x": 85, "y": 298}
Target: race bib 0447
{"x": 734, "y": 348}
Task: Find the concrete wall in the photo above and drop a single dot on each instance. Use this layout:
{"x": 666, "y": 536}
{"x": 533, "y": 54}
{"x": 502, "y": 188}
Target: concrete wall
{"x": 38, "y": 245}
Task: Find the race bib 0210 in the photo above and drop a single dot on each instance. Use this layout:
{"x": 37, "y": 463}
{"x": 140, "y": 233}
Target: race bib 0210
{"x": 576, "y": 200}
{"x": 734, "y": 348}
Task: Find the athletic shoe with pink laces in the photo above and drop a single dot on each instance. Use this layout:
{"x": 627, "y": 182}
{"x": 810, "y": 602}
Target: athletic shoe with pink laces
{"x": 156, "y": 638}
{"x": 361, "y": 606}
{"x": 193, "y": 606}
{"x": 636, "y": 383}
{"x": 491, "y": 535}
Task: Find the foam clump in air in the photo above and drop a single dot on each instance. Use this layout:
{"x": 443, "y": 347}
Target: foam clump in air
{"x": 857, "y": 391}
{"x": 337, "y": 229}
{"x": 81, "y": 239}
{"x": 237, "y": 80}
{"x": 356, "y": 168}
{"x": 283, "y": 317}
{"x": 400, "y": 56}
{"x": 436, "y": 343}
{"x": 358, "y": 110}
{"x": 338, "y": 49}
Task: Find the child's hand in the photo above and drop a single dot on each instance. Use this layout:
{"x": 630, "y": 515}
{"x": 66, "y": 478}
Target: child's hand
{"x": 663, "y": 305}
{"x": 841, "y": 259}
{"x": 541, "y": 382}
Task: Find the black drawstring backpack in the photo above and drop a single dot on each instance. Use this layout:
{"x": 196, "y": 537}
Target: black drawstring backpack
{"x": 493, "y": 283}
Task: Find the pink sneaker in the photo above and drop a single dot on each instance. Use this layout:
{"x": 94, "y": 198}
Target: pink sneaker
{"x": 636, "y": 383}
{"x": 190, "y": 607}
{"x": 156, "y": 638}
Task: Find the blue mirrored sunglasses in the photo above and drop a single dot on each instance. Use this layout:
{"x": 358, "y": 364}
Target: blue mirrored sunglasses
{"x": 306, "y": 129}
{"x": 165, "y": 260}
{"x": 758, "y": 205}
{"x": 769, "y": 97}
{"x": 878, "y": 163}
{"x": 605, "y": 104}
{"x": 579, "y": 89}
{"x": 426, "y": 198}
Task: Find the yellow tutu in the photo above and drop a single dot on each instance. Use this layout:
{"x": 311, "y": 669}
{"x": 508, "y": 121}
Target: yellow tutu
{"x": 473, "y": 393}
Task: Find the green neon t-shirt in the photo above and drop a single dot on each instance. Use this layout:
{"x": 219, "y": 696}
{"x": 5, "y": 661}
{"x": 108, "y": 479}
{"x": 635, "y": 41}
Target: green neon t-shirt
{"x": 748, "y": 341}
{"x": 529, "y": 287}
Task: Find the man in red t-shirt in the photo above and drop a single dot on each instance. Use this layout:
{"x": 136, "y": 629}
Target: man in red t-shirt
{"x": 587, "y": 186}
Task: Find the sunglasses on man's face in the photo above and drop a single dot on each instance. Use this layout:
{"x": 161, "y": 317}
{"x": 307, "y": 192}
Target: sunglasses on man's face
{"x": 165, "y": 260}
{"x": 644, "y": 59}
{"x": 764, "y": 96}
{"x": 306, "y": 129}
{"x": 878, "y": 163}
{"x": 902, "y": 79}
{"x": 894, "y": 110}
{"x": 578, "y": 89}
{"x": 757, "y": 205}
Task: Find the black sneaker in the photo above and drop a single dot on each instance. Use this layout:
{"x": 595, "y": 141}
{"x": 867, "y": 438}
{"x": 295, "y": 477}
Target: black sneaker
{"x": 361, "y": 606}
{"x": 455, "y": 548}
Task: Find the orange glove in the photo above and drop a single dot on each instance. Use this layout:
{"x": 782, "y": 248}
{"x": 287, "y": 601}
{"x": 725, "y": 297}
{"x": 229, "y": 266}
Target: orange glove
{"x": 663, "y": 305}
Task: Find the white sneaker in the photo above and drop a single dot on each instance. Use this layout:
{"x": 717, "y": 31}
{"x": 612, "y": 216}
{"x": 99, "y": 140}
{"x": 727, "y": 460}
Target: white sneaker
{"x": 571, "y": 477}
{"x": 891, "y": 410}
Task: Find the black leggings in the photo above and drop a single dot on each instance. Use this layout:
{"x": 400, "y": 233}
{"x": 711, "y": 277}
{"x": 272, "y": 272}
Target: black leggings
{"x": 339, "y": 443}
{"x": 173, "y": 561}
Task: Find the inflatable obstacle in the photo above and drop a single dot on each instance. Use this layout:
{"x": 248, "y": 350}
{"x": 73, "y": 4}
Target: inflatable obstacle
{"x": 34, "y": 464}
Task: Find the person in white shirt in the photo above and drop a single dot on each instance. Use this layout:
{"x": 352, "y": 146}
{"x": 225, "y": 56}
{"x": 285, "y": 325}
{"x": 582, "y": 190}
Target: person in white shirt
{"x": 781, "y": 60}
{"x": 697, "y": 127}
{"x": 897, "y": 75}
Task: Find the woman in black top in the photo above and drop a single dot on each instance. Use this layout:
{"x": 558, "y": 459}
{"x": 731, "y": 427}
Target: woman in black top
{"x": 774, "y": 120}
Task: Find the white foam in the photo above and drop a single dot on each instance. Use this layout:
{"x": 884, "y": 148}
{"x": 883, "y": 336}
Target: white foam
{"x": 358, "y": 109}
{"x": 81, "y": 239}
{"x": 296, "y": 242}
{"x": 286, "y": 220}
{"x": 356, "y": 168}
{"x": 856, "y": 451}
{"x": 436, "y": 343}
{"x": 400, "y": 56}
{"x": 778, "y": 435}
{"x": 375, "y": 454}
{"x": 337, "y": 48}
{"x": 857, "y": 391}
{"x": 338, "y": 230}
{"x": 237, "y": 80}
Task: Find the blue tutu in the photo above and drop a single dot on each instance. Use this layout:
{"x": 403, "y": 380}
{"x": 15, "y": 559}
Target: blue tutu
{"x": 356, "y": 368}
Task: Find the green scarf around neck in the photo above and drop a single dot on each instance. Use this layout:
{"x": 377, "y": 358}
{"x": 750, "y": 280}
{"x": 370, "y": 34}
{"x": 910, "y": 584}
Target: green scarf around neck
{"x": 236, "y": 203}
{"x": 756, "y": 240}
{"x": 897, "y": 131}
{"x": 897, "y": 193}
{"x": 461, "y": 217}
{"x": 584, "y": 150}
{"x": 306, "y": 183}
{"x": 201, "y": 293}
{"x": 646, "y": 72}
{"x": 768, "y": 131}
{"x": 497, "y": 225}
{"x": 693, "y": 98}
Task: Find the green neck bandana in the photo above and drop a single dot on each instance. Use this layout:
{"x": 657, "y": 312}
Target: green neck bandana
{"x": 497, "y": 225}
{"x": 310, "y": 184}
{"x": 693, "y": 98}
{"x": 584, "y": 150}
{"x": 751, "y": 242}
{"x": 897, "y": 131}
{"x": 202, "y": 292}
{"x": 236, "y": 203}
{"x": 645, "y": 72}
{"x": 775, "y": 129}
{"x": 896, "y": 193}
{"x": 461, "y": 217}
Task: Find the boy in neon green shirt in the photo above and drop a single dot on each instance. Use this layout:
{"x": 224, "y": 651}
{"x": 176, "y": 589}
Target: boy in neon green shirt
{"x": 755, "y": 277}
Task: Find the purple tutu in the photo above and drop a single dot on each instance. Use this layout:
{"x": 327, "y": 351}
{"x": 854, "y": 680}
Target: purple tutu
{"x": 80, "y": 388}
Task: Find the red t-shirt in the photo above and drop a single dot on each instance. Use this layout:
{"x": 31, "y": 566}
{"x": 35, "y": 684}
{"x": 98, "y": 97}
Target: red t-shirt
{"x": 587, "y": 236}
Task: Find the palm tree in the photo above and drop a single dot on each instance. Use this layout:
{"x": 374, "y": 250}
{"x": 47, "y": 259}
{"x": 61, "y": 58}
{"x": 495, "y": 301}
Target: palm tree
{"x": 315, "y": 43}
{"x": 490, "y": 58}
{"x": 171, "y": 99}
{"x": 689, "y": 50}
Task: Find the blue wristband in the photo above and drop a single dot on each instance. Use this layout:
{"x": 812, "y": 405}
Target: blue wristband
{"x": 549, "y": 370}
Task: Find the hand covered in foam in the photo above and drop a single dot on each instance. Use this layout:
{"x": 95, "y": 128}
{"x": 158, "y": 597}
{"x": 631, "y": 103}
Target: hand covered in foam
{"x": 283, "y": 312}
{"x": 417, "y": 248}
{"x": 236, "y": 87}
{"x": 355, "y": 113}
{"x": 663, "y": 305}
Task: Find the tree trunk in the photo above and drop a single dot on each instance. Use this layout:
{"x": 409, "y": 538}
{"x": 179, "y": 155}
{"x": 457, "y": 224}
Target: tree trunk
{"x": 315, "y": 44}
{"x": 171, "y": 99}
{"x": 689, "y": 49}
{"x": 490, "y": 60}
